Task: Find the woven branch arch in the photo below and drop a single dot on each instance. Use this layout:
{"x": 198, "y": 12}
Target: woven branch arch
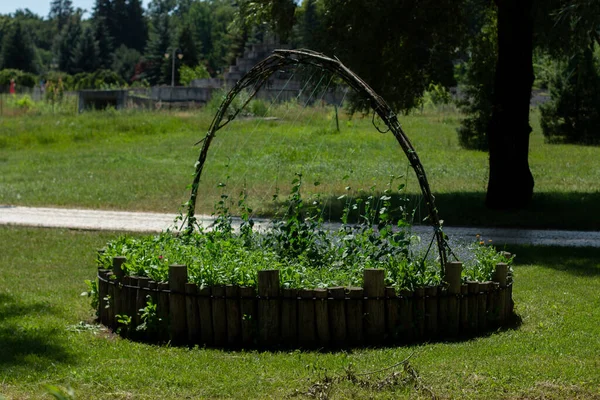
{"x": 259, "y": 75}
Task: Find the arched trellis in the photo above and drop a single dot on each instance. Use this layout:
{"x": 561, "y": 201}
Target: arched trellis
{"x": 260, "y": 74}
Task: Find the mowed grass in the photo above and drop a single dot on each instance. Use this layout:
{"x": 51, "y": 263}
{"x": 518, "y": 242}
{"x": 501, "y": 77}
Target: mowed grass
{"x": 143, "y": 160}
{"x": 553, "y": 354}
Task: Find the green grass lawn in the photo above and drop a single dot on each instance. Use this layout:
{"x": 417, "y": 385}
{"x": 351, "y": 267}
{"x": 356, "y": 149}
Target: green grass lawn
{"x": 554, "y": 354}
{"x": 140, "y": 160}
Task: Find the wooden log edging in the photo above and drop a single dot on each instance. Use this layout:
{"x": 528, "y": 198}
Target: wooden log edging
{"x": 268, "y": 316}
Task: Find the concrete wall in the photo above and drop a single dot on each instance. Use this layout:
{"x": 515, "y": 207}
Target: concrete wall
{"x": 100, "y": 99}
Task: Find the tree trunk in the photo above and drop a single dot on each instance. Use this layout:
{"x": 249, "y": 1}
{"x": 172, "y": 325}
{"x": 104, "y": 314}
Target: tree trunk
{"x": 510, "y": 182}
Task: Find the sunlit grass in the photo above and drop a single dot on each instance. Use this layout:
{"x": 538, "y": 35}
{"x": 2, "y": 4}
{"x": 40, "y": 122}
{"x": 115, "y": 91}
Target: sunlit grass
{"x": 553, "y": 354}
{"x": 142, "y": 160}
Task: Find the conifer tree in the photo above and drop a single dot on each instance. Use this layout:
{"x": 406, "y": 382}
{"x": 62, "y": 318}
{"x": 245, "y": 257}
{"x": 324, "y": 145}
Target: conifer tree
{"x": 105, "y": 43}
{"x": 61, "y": 11}
{"x": 17, "y": 50}
{"x": 188, "y": 46}
{"x": 86, "y": 53}
{"x": 158, "y": 71}
{"x": 137, "y": 30}
{"x": 67, "y": 42}
{"x": 121, "y": 24}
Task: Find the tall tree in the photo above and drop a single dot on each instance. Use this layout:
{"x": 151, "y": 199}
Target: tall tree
{"x": 279, "y": 14}
{"x": 137, "y": 30}
{"x": 66, "y": 44}
{"x": 121, "y": 24}
{"x": 103, "y": 14}
{"x": 61, "y": 11}
{"x": 86, "y": 53}
{"x": 510, "y": 183}
{"x": 413, "y": 45}
{"x": 188, "y": 46}
{"x": 105, "y": 42}
{"x": 311, "y": 26}
{"x": 158, "y": 71}
{"x": 17, "y": 50}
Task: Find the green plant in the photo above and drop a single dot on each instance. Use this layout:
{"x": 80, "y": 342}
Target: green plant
{"x": 476, "y": 84}
{"x": 307, "y": 254}
{"x": 573, "y": 114}
{"x": 124, "y": 323}
{"x": 481, "y": 266}
{"x": 187, "y": 74}
{"x": 92, "y": 293}
{"x": 59, "y": 393}
{"x": 150, "y": 320}
{"x": 258, "y": 108}
{"x": 557, "y": 345}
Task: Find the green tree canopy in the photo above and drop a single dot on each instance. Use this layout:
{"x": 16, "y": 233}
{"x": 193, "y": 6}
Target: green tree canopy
{"x": 17, "y": 50}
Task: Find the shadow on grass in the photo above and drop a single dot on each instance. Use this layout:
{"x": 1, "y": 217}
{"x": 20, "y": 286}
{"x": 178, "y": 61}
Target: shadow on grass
{"x": 580, "y": 261}
{"x": 568, "y": 211}
{"x": 28, "y": 343}
{"x": 565, "y": 211}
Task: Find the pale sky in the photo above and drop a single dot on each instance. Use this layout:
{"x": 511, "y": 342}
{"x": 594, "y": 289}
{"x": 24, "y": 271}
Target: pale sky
{"x": 41, "y": 7}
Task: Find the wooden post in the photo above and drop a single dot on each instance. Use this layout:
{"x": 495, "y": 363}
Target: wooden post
{"x": 473, "y": 312}
{"x": 268, "y": 308}
{"x": 453, "y": 275}
{"x": 406, "y": 316}
{"x": 510, "y": 304}
{"x": 205, "y": 312}
{"x": 322, "y": 317}
{"x": 140, "y": 299}
{"x": 110, "y": 313}
{"x": 482, "y": 306}
{"x": 442, "y": 312}
{"x": 177, "y": 315}
{"x": 234, "y": 316}
{"x": 219, "y": 315}
{"x": 500, "y": 276}
{"x": 374, "y": 291}
{"x": 192, "y": 313}
{"x": 354, "y": 316}
{"x": 431, "y": 311}
{"x": 464, "y": 309}
{"x": 493, "y": 312}
{"x": 102, "y": 296}
{"x": 289, "y": 317}
{"x": 125, "y": 300}
{"x": 419, "y": 313}
{"x": 153, "y": 333}
{"x": 119, "y": 298}
{"x": 153, "y": 287}
{"x": 337, "y": 316}
{"x": 162, "y": 310}
{"x": 307, "y": 331}
{"x": 132, "y": 309}
{"x": 392, "y": 312}
{"x": 249, "y": 315}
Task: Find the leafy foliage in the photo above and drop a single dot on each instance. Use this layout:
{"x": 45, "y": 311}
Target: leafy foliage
{"x": 17, "y": 50}
{"x": 21, "y": 78}
{"x": 477, "y": 83}
{"x": 573, "y": 114}
{"x": 188, "y": 74}
{"x": 307, "y": 254}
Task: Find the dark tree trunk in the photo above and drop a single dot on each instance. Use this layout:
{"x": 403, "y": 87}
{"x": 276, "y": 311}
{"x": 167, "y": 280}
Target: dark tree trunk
{"x": 510, "y": 182}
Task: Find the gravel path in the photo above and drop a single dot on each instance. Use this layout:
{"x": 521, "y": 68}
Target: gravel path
{"x": 155, "y": 222}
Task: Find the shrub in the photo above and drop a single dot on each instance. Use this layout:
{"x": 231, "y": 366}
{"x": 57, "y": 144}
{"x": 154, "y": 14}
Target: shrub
{"x": 573, "y": 114}
{"x": 476, "y": 85}
{"x": 25, "y": 79}
{"x": 188, "y": 74}
{"x": 101, "y": 79}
